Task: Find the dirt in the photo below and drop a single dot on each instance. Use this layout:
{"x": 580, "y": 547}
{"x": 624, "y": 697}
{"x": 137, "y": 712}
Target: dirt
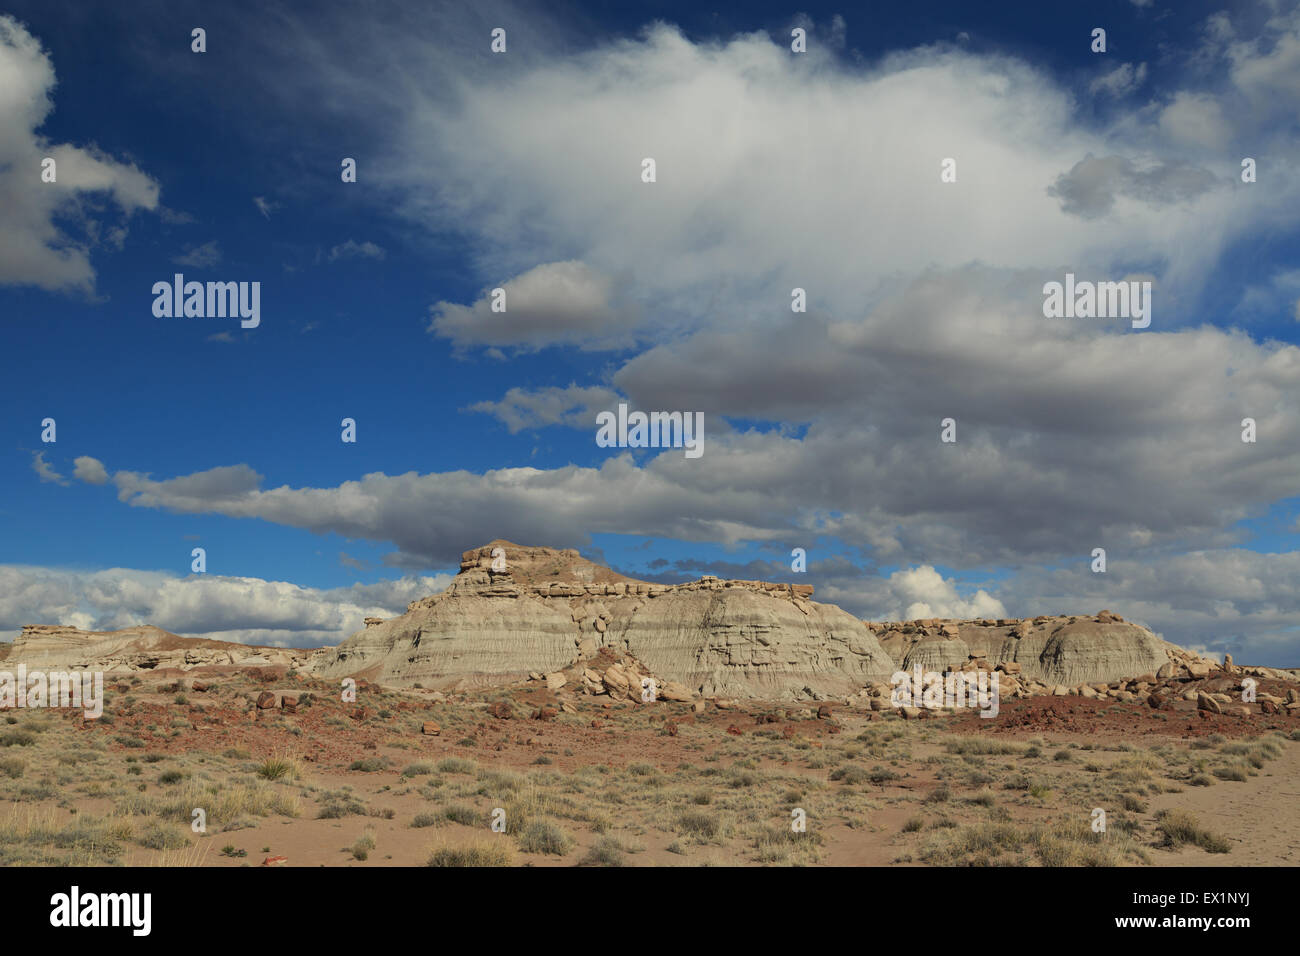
{"x": 644, "y": 768}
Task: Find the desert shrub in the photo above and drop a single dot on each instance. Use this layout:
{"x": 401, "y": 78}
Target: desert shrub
{"x": 456, "y": 765}
{"x": 702, "y": 826}
{"x": 542, "y": 836}
{"x": 482, "y": 852}
{"x": 1179, "y": 828}
{"x": 278, "y": 768}
{"x": 160, "y": 836}
{"x": 606, "y": 851}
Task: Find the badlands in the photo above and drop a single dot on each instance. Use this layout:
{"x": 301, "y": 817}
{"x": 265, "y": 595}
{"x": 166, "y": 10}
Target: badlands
{"x": 544, "y": 710}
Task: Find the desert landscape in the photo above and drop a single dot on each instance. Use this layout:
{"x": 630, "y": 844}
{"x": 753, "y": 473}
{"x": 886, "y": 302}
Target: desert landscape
{"x": 546, "y": 711}
{"x": 675, "y": 436}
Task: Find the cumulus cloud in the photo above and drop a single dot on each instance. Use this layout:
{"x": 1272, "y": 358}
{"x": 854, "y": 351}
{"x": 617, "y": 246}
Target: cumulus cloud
{"x": 89, "y": 470}
{"x": 50, "y": 228}
{"x": 1195, "y": 119}
{"x": 921, "y": 591}
{"x": 1093, "y": 184}
{"x": 551, "y": 304}
{"x": 249, "y": 610}
{"x": 574, "y": 406}
{"x": 197, "y": 492}
{"x": 1121, "y": 81}
{"x": 45, "y": 470}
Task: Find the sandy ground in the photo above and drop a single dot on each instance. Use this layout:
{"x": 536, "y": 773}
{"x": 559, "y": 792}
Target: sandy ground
{"x": 668, "y": 785}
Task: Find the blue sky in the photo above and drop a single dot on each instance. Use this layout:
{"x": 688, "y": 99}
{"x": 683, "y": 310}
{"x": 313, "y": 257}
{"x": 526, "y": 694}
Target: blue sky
{"x": 818, "y": 170}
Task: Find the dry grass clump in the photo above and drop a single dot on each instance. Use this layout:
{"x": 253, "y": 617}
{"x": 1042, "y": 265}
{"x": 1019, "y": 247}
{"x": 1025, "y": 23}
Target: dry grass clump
{"x": 1070, "y": 842}
{"x": 986, "y": 746}
{"x": 479, "y": 851}
{"x": 1180, "y": 828}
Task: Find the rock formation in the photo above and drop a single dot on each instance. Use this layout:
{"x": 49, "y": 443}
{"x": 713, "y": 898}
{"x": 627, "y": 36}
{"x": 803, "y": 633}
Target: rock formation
{"x": 550, "y": 614}
{"x": 1056, "y": 650}
{"x": 133, "y": 649}
{"x": 549, "y": 609}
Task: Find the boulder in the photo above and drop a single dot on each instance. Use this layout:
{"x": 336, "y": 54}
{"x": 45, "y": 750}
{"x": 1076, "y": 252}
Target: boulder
{"x": 675, "y": 692}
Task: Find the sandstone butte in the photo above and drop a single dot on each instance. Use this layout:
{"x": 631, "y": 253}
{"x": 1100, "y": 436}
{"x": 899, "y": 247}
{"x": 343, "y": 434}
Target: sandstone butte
{"x": 551, "y": 610}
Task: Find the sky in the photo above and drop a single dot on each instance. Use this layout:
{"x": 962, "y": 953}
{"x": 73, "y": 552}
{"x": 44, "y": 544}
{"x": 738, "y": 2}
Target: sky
{"x": 774, "y": 170}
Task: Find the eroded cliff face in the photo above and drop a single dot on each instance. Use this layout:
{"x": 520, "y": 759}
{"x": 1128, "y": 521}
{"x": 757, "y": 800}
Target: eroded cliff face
{"x": 549, "y": 609}
{"x": 1064, "y": 650}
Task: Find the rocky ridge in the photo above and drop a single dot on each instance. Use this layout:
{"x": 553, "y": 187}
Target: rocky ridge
{"x": 131, "y": 649}
{"x": 547, "y": 609}
{"x": 515, "y": 611}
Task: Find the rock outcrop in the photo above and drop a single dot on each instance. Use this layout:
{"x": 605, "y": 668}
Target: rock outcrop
{"x": 551, "y": 614}
{"x": 543, "y": 609}
{"x": 1061, "y": 650}
{"x": 134, "y": 649}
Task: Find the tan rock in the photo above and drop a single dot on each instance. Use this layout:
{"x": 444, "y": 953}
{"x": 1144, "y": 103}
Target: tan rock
{"x": 675, "y": 692}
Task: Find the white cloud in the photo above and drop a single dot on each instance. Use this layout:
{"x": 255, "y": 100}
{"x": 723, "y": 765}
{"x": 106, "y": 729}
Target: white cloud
{"x": 1195, "y": 119}
{"x": 351, "y": 249}
{"x": 201, "y": 257}
{"x": 89, "y": 470}
{"x": 249, "y": 610}
{"x": 923, "y": 592}
{"x": 551, "y": 304}
{"x": 573, "y": 406}
{"x": 1121, "y": 81}
{"x": 34, "y": 250}
{"x": 45, "y": 470}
